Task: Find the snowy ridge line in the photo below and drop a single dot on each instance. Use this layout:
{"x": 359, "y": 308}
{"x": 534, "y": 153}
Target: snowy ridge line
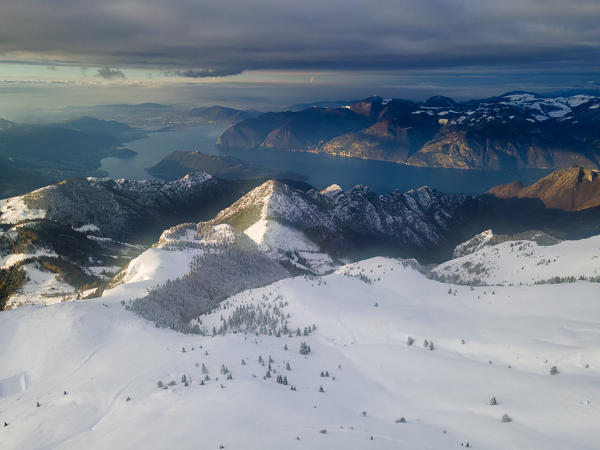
{"x": 522, "y": 262}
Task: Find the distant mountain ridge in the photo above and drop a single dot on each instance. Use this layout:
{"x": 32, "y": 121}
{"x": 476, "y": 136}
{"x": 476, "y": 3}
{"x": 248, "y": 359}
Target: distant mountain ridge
{"x": 572, "y": 189}
{"x": 179, "y": 163}
{"x": 5, "y": 124}
{"x": 514, "y": 130}
{"x": 222, "y": 114}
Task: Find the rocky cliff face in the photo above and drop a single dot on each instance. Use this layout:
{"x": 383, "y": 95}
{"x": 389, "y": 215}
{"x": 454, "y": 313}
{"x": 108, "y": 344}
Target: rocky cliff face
{"x": 571, "y": 189}
{"x": 515, "y": 130}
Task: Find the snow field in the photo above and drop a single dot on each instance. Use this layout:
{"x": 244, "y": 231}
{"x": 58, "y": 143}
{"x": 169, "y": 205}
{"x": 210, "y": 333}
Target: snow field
{"x": 102, "y": 354}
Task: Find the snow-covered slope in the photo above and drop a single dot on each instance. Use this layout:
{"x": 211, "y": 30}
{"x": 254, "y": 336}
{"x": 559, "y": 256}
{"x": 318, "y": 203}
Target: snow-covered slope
{"x": 68, "y": 237}
{"x": 43, "y": 262}
{"x": 109, "y": 208}
{"x": 93, "y": 368}
{"x": 168, "y": 259}
{"x": 523, "y": 262}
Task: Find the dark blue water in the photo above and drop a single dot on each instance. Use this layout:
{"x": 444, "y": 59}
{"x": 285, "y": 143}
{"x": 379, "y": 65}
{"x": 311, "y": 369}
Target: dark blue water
{"x": 320, "y": 170}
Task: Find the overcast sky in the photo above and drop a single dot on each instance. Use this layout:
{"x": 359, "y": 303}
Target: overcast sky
{"x": 423, "y": 45}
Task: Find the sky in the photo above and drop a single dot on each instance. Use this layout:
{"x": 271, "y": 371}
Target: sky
{"x": 268, "y": 54}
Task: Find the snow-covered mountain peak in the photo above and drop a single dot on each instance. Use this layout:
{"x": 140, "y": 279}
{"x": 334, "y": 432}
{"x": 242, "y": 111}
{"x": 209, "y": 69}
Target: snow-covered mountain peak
{"x": 267, "y": 215}
{"x": 474, "y": 244}
{"x": 332, "y": 189}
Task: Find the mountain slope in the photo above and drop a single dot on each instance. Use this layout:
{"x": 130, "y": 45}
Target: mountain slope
{"x": 93, "y": 367}
{"x": 221, "y": 114}
{"x": 524, "y": 261}
{"x": 514, "y": 130}
{"x": 177, "y": 164}
{"x": 64, "y": 241}
{"x": 121, "y": 209}
{"x": 292, "y": 130}
{"x": 571, "y": 189}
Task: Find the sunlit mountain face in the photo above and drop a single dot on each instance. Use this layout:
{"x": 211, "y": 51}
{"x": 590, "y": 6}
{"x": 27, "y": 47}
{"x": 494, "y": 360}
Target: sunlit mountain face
{"x": 313, "y": 225}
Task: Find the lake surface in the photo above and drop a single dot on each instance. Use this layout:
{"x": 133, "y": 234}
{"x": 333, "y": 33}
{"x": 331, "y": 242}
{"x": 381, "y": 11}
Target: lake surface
{"x": 320, "y": 170}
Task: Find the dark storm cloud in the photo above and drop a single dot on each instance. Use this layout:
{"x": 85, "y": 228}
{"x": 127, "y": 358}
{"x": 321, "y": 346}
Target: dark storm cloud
{"x": 109, "y": 74}
{"x": 212, "y": 38}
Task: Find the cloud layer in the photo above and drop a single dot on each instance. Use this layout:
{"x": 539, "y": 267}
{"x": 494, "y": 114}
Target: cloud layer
{"x": 207, "y": 38}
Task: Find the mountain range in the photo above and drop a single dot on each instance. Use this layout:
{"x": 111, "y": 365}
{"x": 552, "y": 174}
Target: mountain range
{"x": 259, "y": 293}
{"x": 87, "y": 230}
{"x": 514, "y": 130}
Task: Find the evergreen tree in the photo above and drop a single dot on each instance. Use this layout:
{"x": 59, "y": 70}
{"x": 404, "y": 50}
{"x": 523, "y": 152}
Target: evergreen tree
{"x": 304, "y": 348}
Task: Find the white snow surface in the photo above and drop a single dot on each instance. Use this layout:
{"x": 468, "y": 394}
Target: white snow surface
{"x": 11, "y": 259}
{"x": 159, "y": 264}
{"x": 102, "y": 354}
{"x": 525, "y": 262}
{"x": 279, "y": 241}
{"x": 90, "y": 227}
{"x": 14, "y": 210}
{"x": 42, "y": 288}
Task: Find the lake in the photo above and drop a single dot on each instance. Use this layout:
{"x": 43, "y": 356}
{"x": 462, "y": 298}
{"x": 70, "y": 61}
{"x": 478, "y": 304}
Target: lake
{"x": 320, "y": 170}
